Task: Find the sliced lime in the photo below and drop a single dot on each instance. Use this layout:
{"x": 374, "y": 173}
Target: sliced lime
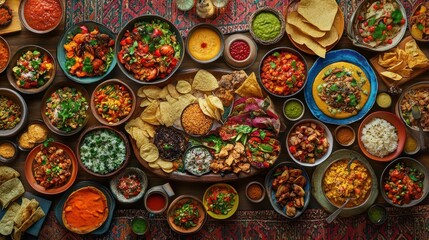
{"x": 185, "y": 5}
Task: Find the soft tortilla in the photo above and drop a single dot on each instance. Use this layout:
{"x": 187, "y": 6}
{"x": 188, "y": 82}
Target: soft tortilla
{"x": 320, "y": 13}
{"x": 6, "y": 223}
{"x": 295, "y": 19}
{"x": 303, "y": 39}
{"x": 7, "y": 173}
{"x": 27, "y": 209}
{"x": 10, "y": 191}
{"x": 36, "y": 216}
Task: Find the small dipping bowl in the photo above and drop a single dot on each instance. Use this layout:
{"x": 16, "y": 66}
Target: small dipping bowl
{"x": 6, "y": 45}
{"x": 410, "y": 142}
{"x": 377, "y": 214}
{"x": 139, "y": 225}
{"x": 192, "y": 123}
{"x": 341, "y": 130}
{"x": 384, "y": 100}
{"x": 156, "y": 198}
{"x": 205, "y": 43}
{"x": 255, "y": 185}
{"x": 240, "y": 51}
{"x": 7, "y": 145}
{"x": 293, "y": 109}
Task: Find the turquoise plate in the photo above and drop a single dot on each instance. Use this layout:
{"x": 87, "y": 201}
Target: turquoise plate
{"x": 110, "y": 202}
{"x": 344, "y": 55}
{"x": 43, "y": 203}
{"x": 61, "y": 57}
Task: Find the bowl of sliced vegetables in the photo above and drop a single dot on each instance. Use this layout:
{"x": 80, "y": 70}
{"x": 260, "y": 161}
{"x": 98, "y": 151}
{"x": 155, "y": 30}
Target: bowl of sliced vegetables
{"x": 86, "y": 53}
{"x": 186, "y": 214}
{"x": 221, "y": 201}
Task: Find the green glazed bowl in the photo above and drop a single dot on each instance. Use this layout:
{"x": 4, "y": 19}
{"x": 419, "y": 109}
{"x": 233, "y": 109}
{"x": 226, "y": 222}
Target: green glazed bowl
{"x": 61, "y": 53}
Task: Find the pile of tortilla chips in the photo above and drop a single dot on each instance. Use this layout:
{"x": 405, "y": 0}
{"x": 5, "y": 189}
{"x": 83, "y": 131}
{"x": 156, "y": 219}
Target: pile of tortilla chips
{"x": 18, "y": 217}
{"x": 400, "y": 63}
{"x": 312, "y": 25}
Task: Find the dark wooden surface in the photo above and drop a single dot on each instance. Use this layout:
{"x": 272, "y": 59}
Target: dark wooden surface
{"x": 49, "y": 41}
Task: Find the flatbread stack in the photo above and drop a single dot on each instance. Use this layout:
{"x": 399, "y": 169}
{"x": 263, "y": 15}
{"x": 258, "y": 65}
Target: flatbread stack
{"x": 18, "y": 217}
{"x": 312, "y": 25}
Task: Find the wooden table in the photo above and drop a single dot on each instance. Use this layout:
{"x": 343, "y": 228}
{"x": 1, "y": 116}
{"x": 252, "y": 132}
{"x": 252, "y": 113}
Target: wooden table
{"x": 49, "y": 41}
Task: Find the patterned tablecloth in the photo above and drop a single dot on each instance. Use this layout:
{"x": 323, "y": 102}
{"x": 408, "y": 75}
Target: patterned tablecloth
{"x": 232, "y": 18}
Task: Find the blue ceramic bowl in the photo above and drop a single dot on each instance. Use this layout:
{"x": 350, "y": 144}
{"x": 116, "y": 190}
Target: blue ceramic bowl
{"x": 129, "y": 26}
{"x": 61, "y": 54}
{"x": 344, "y": 55}
{"x": 271, "y": 193}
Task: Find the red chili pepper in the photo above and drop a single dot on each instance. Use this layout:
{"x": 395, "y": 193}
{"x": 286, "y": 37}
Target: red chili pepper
{"x": 156, "y": 53}
{"x": 156, "y": 33}
{"x": 84, "y": 29}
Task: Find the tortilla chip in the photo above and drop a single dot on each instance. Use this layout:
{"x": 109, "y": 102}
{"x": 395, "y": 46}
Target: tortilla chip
{"x": 250, "y": 88}
{"x": 320, "y": 13}
{"x": 149, "y": 152}
{"x": 7, "y": 173}
{"x": 304, "y": 39}
{"x": 6, "y": 223}
{"x": 173, "y": 92}
{"x": 387, "y": 62}
{"x": 168, "y": 115}
{"x": 406, "y": 72}
{"x": 295, "y": 19}
{"x": 27, "y": 209}
{"x": 388, "y": 55}
{"x": 10, "y": 190}
{"x": 151, "y": 91}
{"x": 330, "y": 38}
{"x": 398, "y": 66}
{"x": 164, "y": 92}
{"x": 204, "y": 81}
{"x": 391, "y": 75}
{"x": 183, "y": 87}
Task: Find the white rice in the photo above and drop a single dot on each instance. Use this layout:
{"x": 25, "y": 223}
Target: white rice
{"x": 379, "y": 137}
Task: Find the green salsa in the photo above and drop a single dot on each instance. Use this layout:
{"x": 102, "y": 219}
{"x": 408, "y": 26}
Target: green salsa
{"x": 266, "y": 26}
{"x": 293, "y": 109}
{"x": 377, "y": 214}
{"x": 139, "y": 225}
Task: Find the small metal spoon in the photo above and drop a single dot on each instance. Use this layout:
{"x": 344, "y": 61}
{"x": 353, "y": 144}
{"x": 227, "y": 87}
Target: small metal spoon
{"x": 335, "y": 214}
{"x": 415, "y": 111}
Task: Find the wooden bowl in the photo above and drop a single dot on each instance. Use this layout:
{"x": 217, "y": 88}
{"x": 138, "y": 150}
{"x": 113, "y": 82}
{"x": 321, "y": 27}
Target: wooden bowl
{"x": 27, "y": 26}
{"x": 409, "y": 162}
{"x": 16, "y": 98}
{"x": 14, "y": 59}
{"x": 278, "y": 14}
{"x": 29, "y": 175}
{"x": 176, "y": 204}
{"x": 117, "y": 133}
{"x": 44, "y": 104}
{"x": 129, "y": 27}
{"x": 396, "y": 122}
{"x": 94, "y": 110}
{"x": 6, "y": 45}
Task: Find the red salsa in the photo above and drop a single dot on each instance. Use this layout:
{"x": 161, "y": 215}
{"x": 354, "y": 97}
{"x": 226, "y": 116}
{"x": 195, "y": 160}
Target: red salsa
{"x": 130, "y": 186}
{"x": 155, "y": 202}
{"x": 42, "y": 15}
{"x": 283, "y": 73}
{"x": 239, "y": 50}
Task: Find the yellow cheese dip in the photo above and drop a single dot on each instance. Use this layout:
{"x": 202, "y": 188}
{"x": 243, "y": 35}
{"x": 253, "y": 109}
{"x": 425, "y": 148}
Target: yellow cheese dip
{"x": 349, "y": 77}
{"x": 204, "y": 44}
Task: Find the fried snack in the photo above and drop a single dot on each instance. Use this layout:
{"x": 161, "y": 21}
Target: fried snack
{"x": 320, "y": 13}
{"x": 7, "y": 173}
{"x": 6, "y": 223}
{"x": 250, "y": 88}
{"x": 10, "y": 190}
{"x": 204, "y": 81}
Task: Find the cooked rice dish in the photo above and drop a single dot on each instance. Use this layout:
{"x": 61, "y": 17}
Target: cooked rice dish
{"x": 380, "y": 137}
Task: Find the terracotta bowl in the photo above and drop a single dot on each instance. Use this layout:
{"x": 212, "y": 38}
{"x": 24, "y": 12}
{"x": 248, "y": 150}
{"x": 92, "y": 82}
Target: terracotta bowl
{"x": 16, "y": 98}
{"x": 176, "y": 204}
{"x": 119, "y": 134}
{"x": 396, "y": 122}
{"x": 16, "y": 56}
{"x": 28, "y": 169}
{"x": 94, "y": 108}
{"x": 6, "y": 45}
{"x": 46, "y": 97}
{"x": 410, "y": 25}
{"x": 25, "y": 23}
{"x": 240, "y": 64}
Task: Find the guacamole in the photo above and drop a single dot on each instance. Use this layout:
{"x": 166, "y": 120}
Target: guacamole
{"x": 293, "y": 109}
{"x": 266, "y": 26}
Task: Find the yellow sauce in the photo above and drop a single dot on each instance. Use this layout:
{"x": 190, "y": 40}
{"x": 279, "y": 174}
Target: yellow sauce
{"x": 323, "y": 106}
{"x": 204, "y": 44}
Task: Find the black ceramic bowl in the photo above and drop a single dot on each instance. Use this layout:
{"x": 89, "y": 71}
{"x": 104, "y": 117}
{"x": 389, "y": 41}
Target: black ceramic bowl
{"x": 129, "y": 26}
{"x": 16, "y": 98}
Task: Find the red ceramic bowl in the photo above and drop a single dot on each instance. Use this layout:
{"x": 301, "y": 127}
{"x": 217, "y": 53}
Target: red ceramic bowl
{"x": 400, "y": 128}
{"x": 28, "y": 169}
